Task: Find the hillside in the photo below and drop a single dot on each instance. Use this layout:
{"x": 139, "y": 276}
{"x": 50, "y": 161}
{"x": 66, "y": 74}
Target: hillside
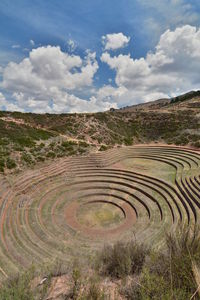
{"x": 27, "y": 138}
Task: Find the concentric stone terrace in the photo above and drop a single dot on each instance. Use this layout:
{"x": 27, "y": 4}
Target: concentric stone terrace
{"x": 74, "y": 205}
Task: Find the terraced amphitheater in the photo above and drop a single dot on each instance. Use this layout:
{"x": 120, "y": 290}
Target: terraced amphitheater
{"x": 72, "y": 206}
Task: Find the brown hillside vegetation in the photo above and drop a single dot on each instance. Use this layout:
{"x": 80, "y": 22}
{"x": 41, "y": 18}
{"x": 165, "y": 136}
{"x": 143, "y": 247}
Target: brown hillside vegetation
{"x": 27, "y": 139}
{"x": 101, "y": 206}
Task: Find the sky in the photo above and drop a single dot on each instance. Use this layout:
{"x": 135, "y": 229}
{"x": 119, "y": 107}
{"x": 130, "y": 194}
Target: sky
{"x": 87, "y": 56}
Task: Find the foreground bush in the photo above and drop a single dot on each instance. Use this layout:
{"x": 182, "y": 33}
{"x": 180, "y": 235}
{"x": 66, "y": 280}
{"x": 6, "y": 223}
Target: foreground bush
{"x": 18, "y": 288}
{"x": 172, "y": 275}
{"x": 121, "y": 259}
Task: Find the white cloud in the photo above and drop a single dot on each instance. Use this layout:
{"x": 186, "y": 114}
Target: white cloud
{"x": 71, "y": 45}
{"x": 2, "y": 98}
{"x": 115, "y": 41}
{"x": 32, "y": 42}
{"x": 166, "y": 14}
{"x": 172, "y": 12}
{"x": 48, "y": 79}
{"x": 16, "y": 46}
{"x": 49, "y": 67}
{"x": 4, "y": 104}
{"x": 172, "y": 68}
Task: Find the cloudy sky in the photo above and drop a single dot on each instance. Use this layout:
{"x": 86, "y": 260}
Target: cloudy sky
{"x": 84, "y": 56}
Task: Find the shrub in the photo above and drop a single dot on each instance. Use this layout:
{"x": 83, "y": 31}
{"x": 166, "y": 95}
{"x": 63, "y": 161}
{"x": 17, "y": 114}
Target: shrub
{"x": 170, "y": 275}
{"x": 94, "y": 291}
{"x": 121, "y": 259}
{"x": 40, "y": 158}
{"x": 51, "y": 154}
{"x": 103, "y": 148}
{"x": 76, "y": 281}
{"x": 25, "y": 141}
{"x": 196, "y": 144}
{"x": 67, "y": 144}
{"x": 4, "y": 141}
{"x": 27, "y": 158}
{"x": 83, "y": 144}
{"x": 18, "y": 288}
{"x": 183, "y": 251}
{"x": 152, "y": 286}
{"x": 2, "y": 164}
{"x": 10, "y": 163}
{"x": 128, "y": 141}
{"x": 82, "y": 150}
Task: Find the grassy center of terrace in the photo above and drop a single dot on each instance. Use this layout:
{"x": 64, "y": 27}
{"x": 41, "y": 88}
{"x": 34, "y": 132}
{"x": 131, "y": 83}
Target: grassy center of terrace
{"x": 99, "y": 215}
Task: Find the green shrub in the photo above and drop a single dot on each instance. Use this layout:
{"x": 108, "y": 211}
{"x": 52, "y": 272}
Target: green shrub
{"x": 196, "y": 144}
{"x": 17, "y": 147}
{"x": 152, "y": 286}
{"x": 25, "y": 141}
{"x": 103, "y": 148}
{"x": 4, "y": 141}
{"x": 94, "y": 292}
{"x": 67, "y": 144}
{"x": 51, "y": 154}
{"x": 2, "y": 162}
{"x": 82, "y": 150}
{"x": 40, "y": 158}
{"x": 76, "y": 281}
{"x": 181, "y": 140}
{"x": 18, "y": 288}
{"x": 10, "y": 163}
{"x": 128, "y": 141}
{"x": 41, "y": 145}
{"x": 121, "y": 259}
{"x": 170, "y": 275}
{"x": 183, "y": 251}
{"x": 83, "y": 144}
{"x": 27, "y": 158}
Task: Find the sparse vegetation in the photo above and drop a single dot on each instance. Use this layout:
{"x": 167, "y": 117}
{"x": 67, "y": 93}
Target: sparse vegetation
{"x": 22, "y": 132}
{"x": 67, "y": 209}
{"x": 121, "y": 259}
{"x": 167, "y": 273}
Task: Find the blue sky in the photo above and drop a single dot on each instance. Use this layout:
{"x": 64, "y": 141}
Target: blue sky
{"x": 40, "y": 26}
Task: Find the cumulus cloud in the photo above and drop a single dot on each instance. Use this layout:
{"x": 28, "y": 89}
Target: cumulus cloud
{"x": 172, "y": 68}
{"x": 48, "y": 79}
{"x": 32, "y": 42}
{"x": 7, "y": 105}
{"x": 115, "y": 41}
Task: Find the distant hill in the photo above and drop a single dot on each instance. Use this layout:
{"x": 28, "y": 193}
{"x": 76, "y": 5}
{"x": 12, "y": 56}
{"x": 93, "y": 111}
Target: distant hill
{"x": 185, "y": 97}
{"x": 156, "y": 104}
{"x": 160, "y": 103}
